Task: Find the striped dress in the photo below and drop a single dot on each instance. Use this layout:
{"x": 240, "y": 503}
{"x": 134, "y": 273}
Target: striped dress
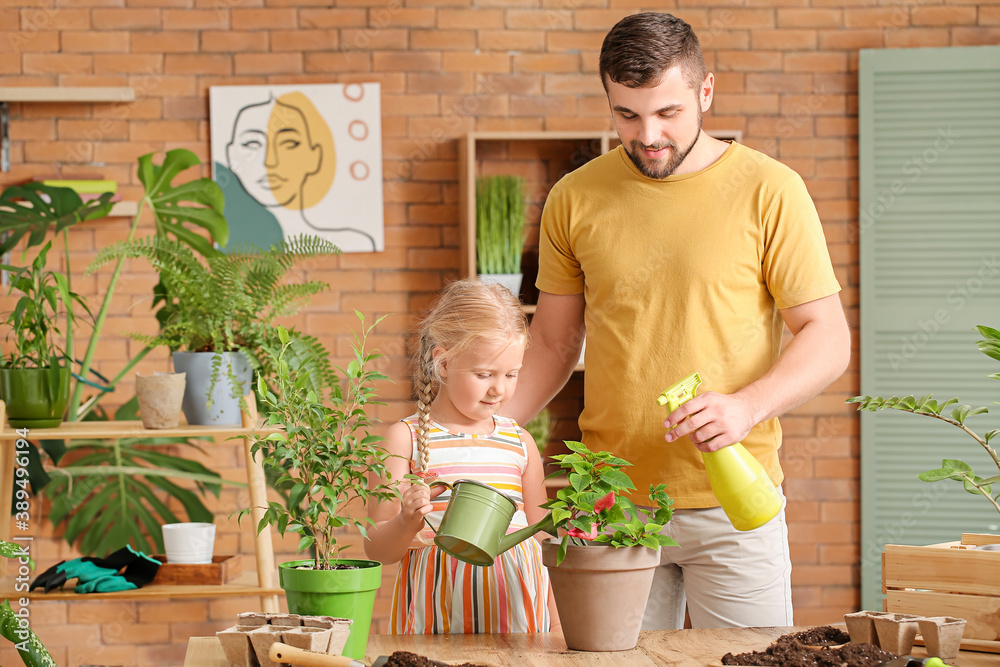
{"x": 435, "y": 593}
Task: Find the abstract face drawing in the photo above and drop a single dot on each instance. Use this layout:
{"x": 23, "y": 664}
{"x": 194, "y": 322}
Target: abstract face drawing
{"x": 282, "y": 151}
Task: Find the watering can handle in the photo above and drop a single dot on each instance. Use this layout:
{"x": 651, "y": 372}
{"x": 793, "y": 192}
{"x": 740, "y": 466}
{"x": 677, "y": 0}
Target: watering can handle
{"x": 437, "y": 482}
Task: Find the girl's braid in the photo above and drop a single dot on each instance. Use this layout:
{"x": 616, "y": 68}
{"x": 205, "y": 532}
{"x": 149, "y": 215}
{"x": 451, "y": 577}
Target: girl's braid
{"x": 425, "y": 395}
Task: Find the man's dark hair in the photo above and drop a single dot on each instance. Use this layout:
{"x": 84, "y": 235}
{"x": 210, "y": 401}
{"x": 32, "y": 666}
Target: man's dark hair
{"x": 642, "y": 47}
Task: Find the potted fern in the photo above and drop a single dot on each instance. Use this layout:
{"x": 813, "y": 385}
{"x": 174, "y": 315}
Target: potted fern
{"x": 322, "y": 458}
{"x": 500, "y": 208}
{"x": 216, "y": 312}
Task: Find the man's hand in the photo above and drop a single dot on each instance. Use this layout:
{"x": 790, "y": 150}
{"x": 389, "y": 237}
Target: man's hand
{"x": 711, "y": 421}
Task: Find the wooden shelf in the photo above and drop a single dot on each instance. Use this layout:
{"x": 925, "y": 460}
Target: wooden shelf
{"x": 128, "y": 429}
{"x": 266, "y": 576}
{"x": 10, "y": 94}
{"x": 66, "y": 94}
{"x": 243, "y": 586}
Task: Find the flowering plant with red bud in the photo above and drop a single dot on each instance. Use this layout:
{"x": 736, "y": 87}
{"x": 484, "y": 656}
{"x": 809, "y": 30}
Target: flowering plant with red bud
{"x": 594, "y": 506}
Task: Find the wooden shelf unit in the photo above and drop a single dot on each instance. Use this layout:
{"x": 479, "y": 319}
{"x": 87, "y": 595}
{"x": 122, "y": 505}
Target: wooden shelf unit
{"x": 266, "y": 587}
{"x": 468, "y": 167}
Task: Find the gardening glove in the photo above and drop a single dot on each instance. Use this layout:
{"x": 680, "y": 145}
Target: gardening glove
{"x": 101, "y": 575}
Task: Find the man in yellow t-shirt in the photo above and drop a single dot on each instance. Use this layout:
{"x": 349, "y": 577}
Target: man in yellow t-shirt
{"x": 677, "y": 253}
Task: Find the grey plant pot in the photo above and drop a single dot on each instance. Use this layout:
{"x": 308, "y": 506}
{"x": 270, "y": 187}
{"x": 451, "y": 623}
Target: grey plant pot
{"x": 225, "y": 399}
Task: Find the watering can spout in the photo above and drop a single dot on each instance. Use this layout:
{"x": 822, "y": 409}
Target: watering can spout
{"x": 515, "y": 538}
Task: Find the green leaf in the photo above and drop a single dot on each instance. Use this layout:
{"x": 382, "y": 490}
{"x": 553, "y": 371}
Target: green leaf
{"x": 33, "y": 210}
{"x": 110, "y": 503}
{"x": 198, "y": 203}
{"x": 960, "y": 413}
{"x": 956, "y": 465}
{"x": 936, "y": 475}
{"x": 971, "y": 488}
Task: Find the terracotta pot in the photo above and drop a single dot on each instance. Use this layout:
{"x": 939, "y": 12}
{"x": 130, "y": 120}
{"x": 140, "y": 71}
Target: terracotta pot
{"x": 601, "y": 593}
{"x": 160, "y": 396}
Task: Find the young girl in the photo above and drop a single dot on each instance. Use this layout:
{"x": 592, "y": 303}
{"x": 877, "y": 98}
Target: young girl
{"x": 471, "y": 346}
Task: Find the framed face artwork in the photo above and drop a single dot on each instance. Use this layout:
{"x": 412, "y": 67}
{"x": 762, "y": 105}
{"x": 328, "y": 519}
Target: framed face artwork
{"x": 299, "y": 159}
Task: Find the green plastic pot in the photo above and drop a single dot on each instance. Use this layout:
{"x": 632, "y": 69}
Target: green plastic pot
{"x": 339, "y": 593}
{"x": 35, "y": 397}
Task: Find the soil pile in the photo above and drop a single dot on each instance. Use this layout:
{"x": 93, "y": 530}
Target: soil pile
{"x": 407, "y": 659}
{"x": 817, "y": 647}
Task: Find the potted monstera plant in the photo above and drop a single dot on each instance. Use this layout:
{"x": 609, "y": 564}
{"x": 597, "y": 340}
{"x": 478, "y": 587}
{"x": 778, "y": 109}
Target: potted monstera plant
{"x": 322, "y": 457}
{"x": 602, "y": 565}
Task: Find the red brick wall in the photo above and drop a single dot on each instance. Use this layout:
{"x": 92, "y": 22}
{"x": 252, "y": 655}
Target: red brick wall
{"x": 787, "y": 78}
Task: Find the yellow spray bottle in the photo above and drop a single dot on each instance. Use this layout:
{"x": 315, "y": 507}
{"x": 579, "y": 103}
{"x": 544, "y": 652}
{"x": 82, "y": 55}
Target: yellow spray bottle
{"x": 738, "y": 480}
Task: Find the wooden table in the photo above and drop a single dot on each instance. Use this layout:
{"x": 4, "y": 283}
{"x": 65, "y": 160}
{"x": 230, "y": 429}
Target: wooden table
{"x": 697, "y": 648}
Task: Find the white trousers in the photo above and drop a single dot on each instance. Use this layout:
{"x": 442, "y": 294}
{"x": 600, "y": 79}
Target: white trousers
{"x": 726, "y": 578}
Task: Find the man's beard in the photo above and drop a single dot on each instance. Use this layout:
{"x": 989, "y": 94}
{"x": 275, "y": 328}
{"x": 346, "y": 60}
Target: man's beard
{"x": 660, "y": 170}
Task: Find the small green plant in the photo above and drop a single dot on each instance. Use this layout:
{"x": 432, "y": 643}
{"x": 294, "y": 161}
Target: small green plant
{"x": 593, "y": 506}
{"x": 34, "y": 320}
{"x": 928, "y": 406}
{"x": 500, "y": 207}
{"x": 325, "y": 452}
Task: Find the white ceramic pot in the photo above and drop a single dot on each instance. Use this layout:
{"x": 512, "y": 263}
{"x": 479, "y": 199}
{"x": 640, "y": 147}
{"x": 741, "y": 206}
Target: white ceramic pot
{"x": 511, "y": 281}
{"x": 189, "y": 543}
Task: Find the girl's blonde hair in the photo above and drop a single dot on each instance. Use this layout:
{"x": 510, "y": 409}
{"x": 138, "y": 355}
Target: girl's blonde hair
{"x": 467, "y": 312}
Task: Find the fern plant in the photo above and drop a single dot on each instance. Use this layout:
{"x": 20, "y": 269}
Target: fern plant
{"x": 227, "y": 302}
{"x": 928, "y": 406}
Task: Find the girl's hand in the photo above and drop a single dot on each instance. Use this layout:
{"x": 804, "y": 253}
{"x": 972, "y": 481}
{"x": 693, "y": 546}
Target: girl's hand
{"x": 416, "y": 501}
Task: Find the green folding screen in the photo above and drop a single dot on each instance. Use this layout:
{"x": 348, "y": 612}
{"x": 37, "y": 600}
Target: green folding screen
{"x": 930, "y": 271}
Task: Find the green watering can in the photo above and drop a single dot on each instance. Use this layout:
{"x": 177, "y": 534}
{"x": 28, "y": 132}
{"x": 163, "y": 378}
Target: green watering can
{"x": 475, "y": 523}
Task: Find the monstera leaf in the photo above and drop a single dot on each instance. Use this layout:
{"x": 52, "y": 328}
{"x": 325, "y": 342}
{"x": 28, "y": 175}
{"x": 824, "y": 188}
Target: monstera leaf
{"x": 118, "y": 492}
{"x": 34, "y": 209}
{"x": 172, "y": 205}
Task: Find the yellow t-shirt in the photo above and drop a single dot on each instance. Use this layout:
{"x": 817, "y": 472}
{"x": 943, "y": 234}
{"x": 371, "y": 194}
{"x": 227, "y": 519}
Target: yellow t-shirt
{"x": 680, "y": 275}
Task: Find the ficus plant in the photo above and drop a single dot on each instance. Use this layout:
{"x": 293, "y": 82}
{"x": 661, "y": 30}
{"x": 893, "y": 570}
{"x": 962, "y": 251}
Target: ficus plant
{"x": 594, "y": 506}
{"x": 324, "y": 453}
{"x": 951, "y": 412}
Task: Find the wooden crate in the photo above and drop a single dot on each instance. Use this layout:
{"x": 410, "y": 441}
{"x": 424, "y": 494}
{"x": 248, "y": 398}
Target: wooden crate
{"x": 221, "y": 570}
{"x": 948, "y": 579}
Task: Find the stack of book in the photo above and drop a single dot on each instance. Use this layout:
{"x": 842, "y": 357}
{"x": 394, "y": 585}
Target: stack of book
{"x": 88, "y": 188}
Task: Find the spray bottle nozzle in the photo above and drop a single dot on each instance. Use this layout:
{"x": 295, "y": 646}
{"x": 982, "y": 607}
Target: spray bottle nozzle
{"x": 680, "y": 393}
